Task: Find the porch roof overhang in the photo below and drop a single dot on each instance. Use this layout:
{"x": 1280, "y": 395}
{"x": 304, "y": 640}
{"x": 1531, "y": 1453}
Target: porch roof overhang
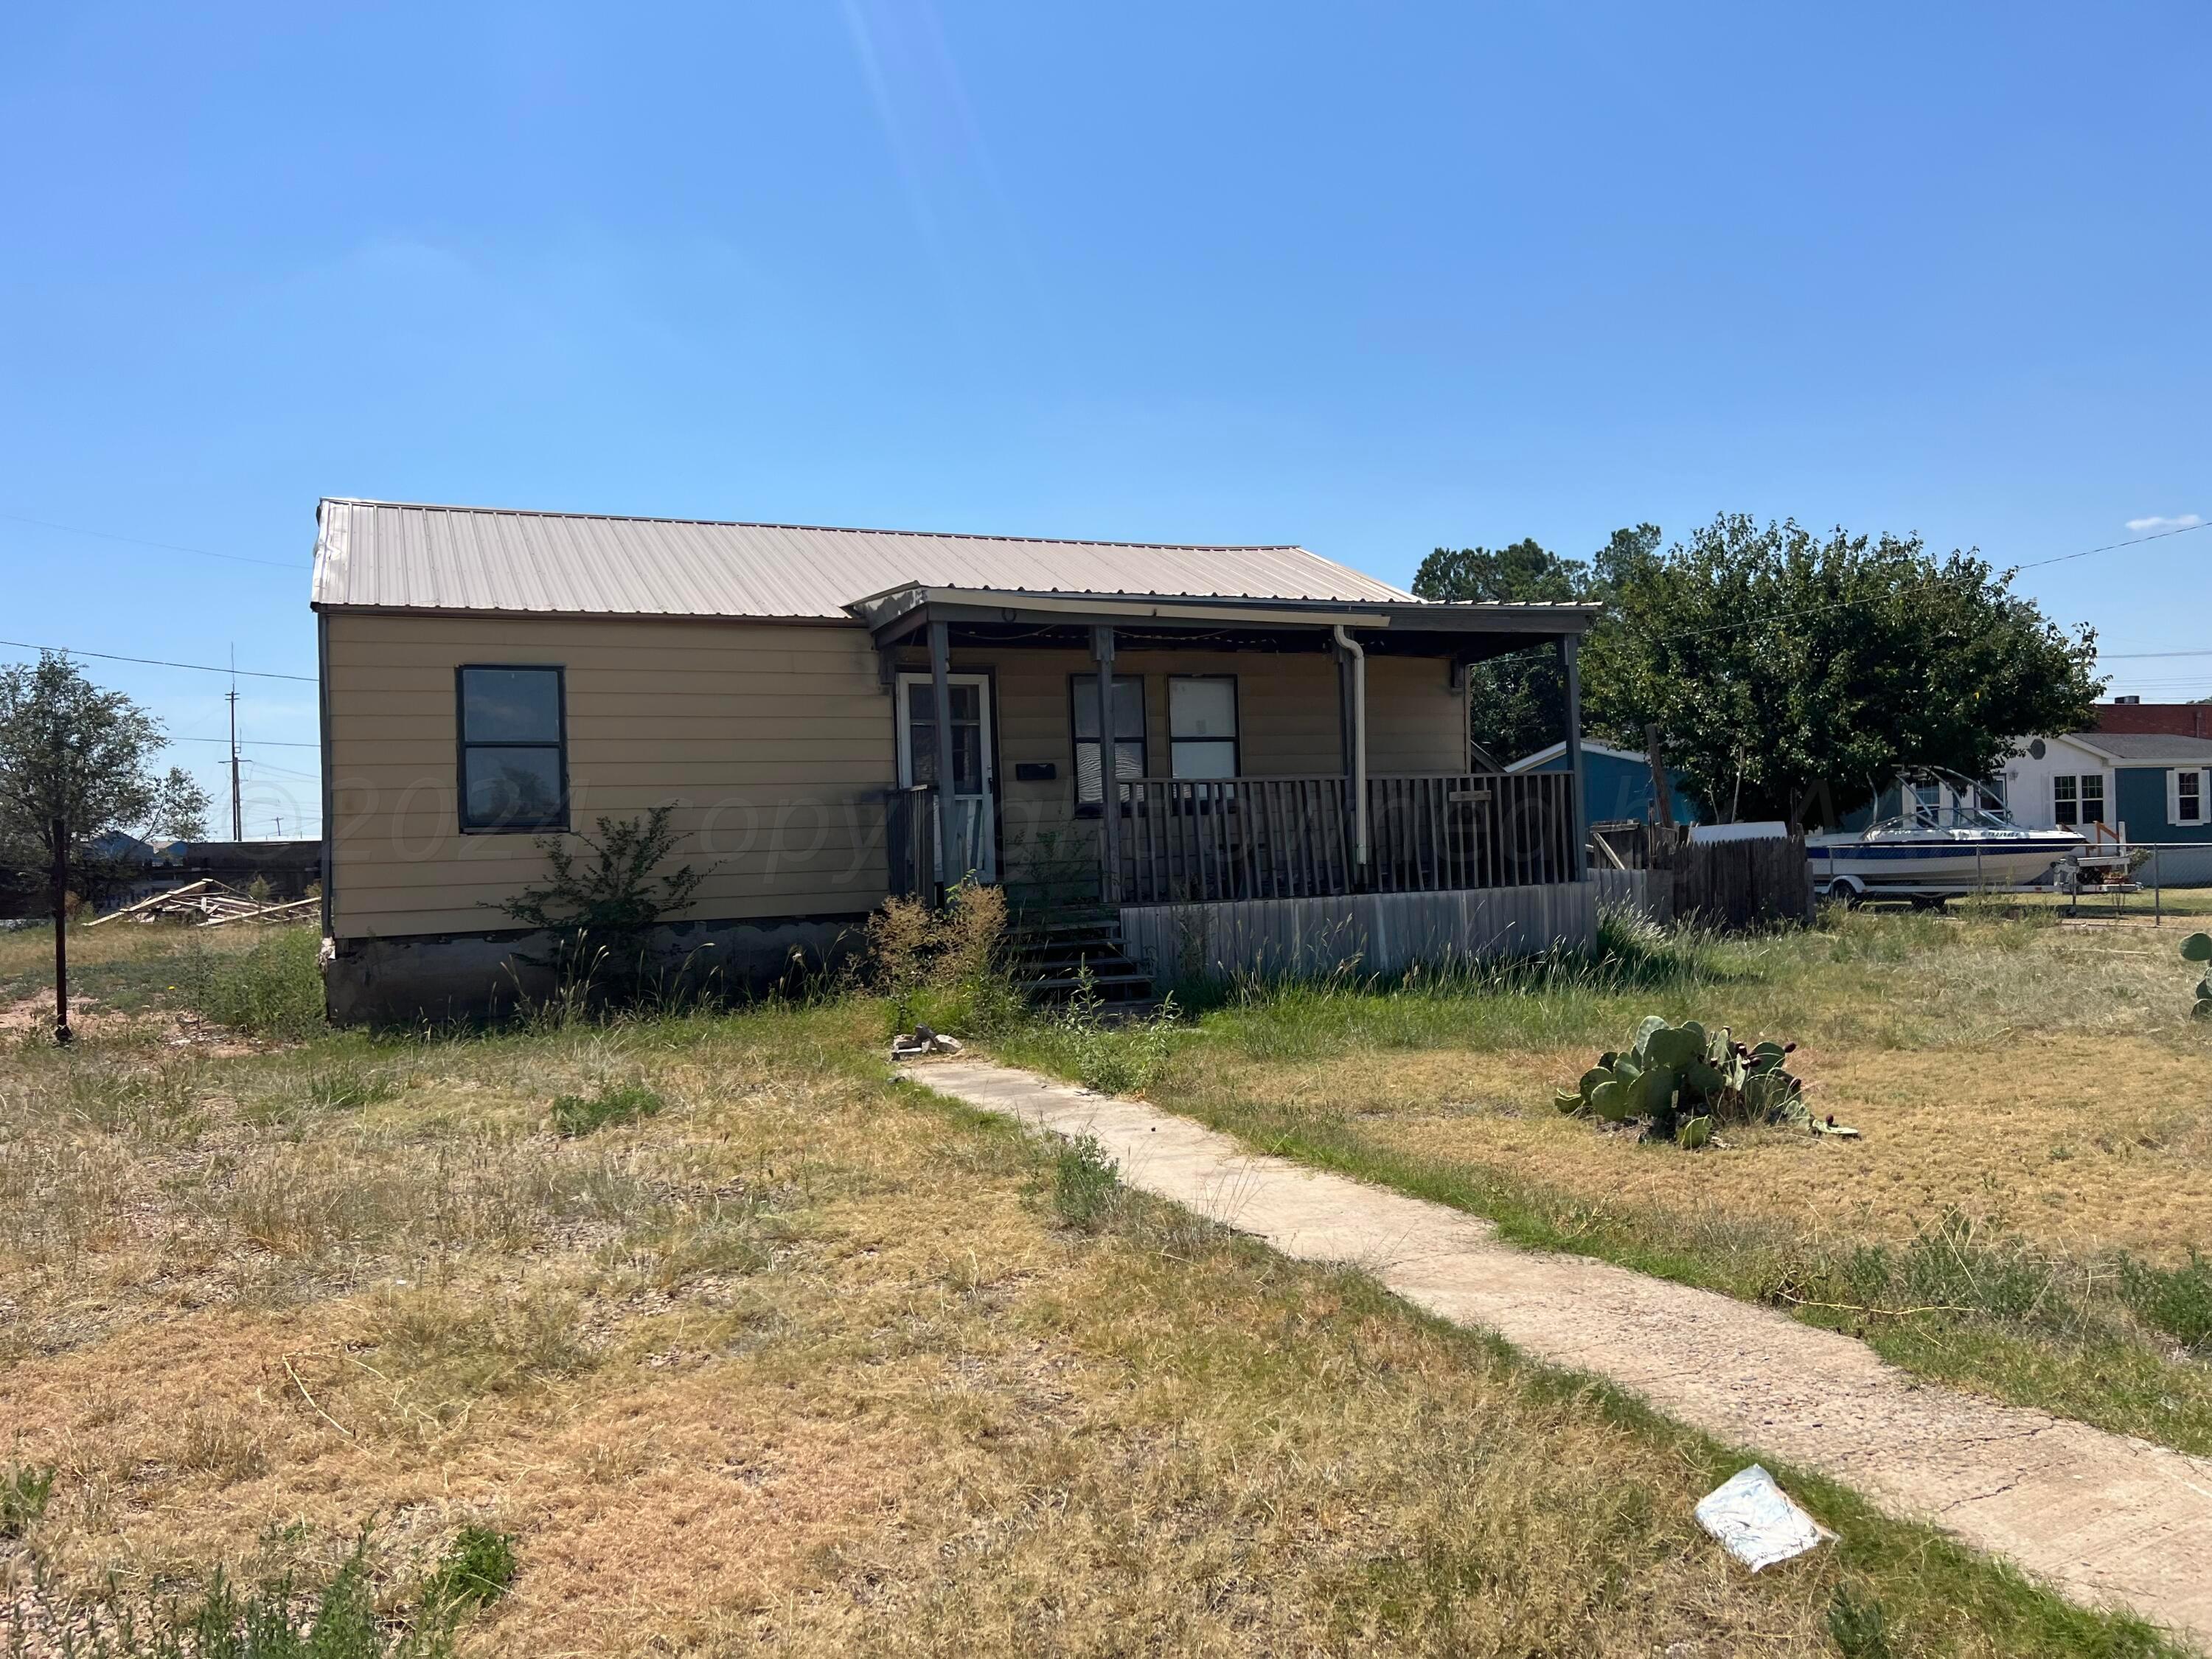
{"x": 1430, "y": 627}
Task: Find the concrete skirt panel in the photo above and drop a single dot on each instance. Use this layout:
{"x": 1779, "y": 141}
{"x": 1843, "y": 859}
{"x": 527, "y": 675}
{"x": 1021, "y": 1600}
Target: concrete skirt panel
{"x": 1368, "y": 933}
{"x": 374, "y": 981}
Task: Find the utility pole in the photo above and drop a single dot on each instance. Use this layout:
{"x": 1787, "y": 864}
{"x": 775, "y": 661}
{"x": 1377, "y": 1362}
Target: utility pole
{"x": 58, "y": 832}
{"x": 237, "y": 808}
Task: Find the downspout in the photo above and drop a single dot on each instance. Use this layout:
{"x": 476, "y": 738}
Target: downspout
{"x": 1350, "y": 647}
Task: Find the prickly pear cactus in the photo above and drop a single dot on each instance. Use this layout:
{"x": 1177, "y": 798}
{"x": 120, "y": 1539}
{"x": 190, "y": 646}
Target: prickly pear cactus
{"x": 2197, "y": 947}
{"x": 1680, "y": 1080}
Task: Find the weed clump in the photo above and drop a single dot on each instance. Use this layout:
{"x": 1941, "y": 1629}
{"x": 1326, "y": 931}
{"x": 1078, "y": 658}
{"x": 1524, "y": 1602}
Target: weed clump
{"x": 274, "y": 989}
{"x": 1860, "y": 1629}
{"x": 1086, "y": 1183}
{"x": 475, "y": 1570}
{"x": 1114, "y": 1058}
{"x": 24, "y": 1490}
{"x": 945, "y": 968}
{"x": 620, "y": 1102}
{"x": 2175, "y": 1300}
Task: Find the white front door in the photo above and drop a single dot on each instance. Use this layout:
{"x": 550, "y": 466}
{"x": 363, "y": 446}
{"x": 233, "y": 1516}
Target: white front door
{"x": 967, "y": 823}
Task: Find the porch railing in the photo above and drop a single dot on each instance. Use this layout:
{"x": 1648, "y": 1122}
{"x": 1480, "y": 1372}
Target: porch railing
{"x": 913, "y": 818}
{"x": 1185, "y": 841}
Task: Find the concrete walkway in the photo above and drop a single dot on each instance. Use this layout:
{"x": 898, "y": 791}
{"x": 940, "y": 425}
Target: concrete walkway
{"x": 2105, "y": 1519}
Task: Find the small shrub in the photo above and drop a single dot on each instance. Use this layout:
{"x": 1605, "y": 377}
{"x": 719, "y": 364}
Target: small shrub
{"x": 475, "y": 1570}
{"x": 599, "y": 912}
{"x": 945, "y": 968}
{"x": 2175, "y": 1300}
{"x": 1086, "y": 1184}
{"x": 24, "y": 1490}
{"x": 620, "y": 1102}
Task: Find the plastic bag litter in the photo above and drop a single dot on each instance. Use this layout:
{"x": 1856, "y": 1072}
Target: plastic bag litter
{"x": 1757, "y": 1521}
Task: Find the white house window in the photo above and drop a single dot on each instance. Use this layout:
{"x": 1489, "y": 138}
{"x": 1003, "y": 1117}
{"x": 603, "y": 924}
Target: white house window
{"x": 1128, "y": 733}
{"x": 1202, "y": 726}
{"x": 514, "y": 756}
{"x": 2092, "y": 797}
{"x": 2189, "y": 797}
{"x": 2064, "y": 807}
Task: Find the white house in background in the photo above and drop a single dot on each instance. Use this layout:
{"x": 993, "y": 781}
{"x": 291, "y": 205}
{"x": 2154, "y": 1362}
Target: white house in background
{"x": 2149, "y": 786}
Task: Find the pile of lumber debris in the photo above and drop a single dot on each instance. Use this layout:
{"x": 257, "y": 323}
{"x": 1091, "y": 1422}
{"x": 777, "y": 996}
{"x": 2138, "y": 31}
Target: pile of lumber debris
{"x": 213, "y": 904}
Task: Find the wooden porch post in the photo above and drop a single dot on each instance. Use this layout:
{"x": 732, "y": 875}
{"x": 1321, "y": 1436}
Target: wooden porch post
{"x": 1109, "y": 791}
{"x": 1570, "y": 648}
{"x": 941, "y": 691}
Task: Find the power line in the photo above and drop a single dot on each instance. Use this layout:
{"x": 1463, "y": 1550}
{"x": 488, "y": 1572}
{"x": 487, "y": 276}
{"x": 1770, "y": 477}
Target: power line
{"x": 140, "y": 541}
{"x": 2138, "y": 541}
{"x": 252, "y": 743}
{"x": 157, "y": 662}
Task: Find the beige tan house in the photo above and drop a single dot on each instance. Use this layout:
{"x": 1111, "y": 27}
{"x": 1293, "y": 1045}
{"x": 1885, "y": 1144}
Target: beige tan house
{"x": 1234, "y": 759}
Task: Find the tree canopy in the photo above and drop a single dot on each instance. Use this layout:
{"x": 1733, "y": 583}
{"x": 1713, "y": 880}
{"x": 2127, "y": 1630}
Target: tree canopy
{"x": 74, "y": 753}
{"x": 1517, "y": 704}
{"x": 1794, "y": 674}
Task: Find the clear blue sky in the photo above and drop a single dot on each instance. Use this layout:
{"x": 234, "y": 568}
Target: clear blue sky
{"x": 1370, "y": 279}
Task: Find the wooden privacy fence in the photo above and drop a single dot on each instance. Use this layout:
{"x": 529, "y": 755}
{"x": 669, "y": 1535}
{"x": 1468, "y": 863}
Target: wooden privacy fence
{"x": 1218, "y": 840}
{"x": 1732, "y": 884}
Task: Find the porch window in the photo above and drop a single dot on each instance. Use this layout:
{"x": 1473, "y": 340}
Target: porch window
{"x": 1128, "y": 733}
{"x": 1202, "y": 726}
{"x": 514, "y": 755}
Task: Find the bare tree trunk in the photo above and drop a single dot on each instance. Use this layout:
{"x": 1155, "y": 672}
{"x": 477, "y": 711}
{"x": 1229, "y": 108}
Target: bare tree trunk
{"x": 62, "y": 1032}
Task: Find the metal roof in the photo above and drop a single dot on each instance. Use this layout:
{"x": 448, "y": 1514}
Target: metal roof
{"x": 2145, "y": 745}
{"x": 400, "y": 555}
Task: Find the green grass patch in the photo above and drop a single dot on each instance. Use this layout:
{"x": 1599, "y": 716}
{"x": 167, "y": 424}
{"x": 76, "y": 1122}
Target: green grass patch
{"x": 475, "y": 1570}
{"x": 610, "y": 1104}
{"x": 25, "y": 1489}
{"x": 273, "y": 988}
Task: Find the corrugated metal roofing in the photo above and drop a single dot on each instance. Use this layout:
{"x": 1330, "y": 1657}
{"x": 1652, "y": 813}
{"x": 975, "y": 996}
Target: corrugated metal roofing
{"x": 390, "y": 555}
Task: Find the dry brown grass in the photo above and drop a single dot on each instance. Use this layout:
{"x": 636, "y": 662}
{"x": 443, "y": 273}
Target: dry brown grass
{"x": 803, "y": 1362}
{"x": 2081, "y": 1148}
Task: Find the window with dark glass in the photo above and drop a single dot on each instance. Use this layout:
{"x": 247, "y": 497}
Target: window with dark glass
{"x": 2064, "y": 808}
{"x": 515, "y": 762}
{"x": 2092, "y": 797}
{"x": 1202, "y": 726}
{"x": 2189, "y": 797}
{"x": 1128, "y": 734}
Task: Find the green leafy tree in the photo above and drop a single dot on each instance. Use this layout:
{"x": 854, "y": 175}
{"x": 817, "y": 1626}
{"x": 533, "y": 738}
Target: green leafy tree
{"x": 75, "y": 763}
{"x": 1794, "y": 674}
{"x": 1517, "y": 704}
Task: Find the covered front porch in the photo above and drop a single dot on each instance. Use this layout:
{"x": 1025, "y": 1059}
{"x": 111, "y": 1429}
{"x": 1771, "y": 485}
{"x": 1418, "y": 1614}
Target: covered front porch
{"x": 1136, "y": 750}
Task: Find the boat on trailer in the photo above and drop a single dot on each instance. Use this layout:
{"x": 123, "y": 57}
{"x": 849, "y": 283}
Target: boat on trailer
{"x": 1961, "y": 849}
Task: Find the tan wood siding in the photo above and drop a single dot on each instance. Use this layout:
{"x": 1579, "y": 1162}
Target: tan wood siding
{"x": 777, "y": 741}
